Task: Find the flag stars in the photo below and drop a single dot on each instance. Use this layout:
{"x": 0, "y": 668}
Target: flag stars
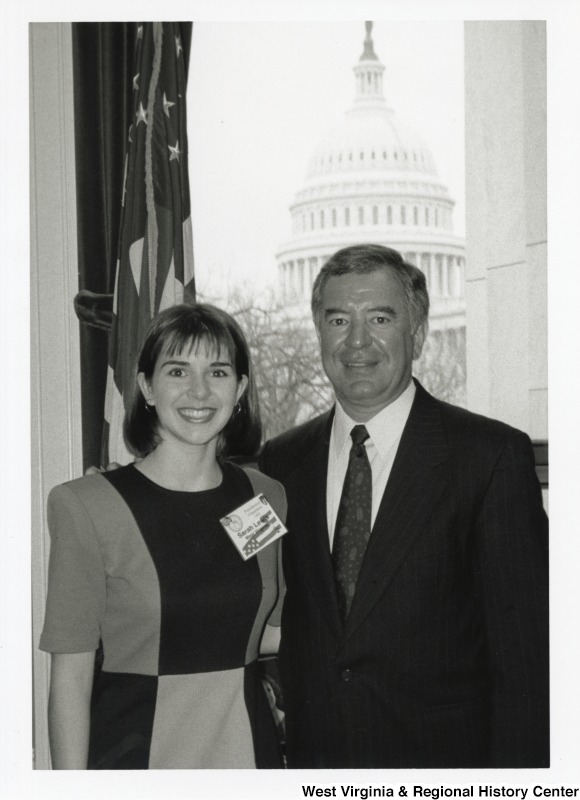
{"x": 175, "y": 152}
{"x": 178, "y": 46}
{"x": 141, "y": 114}
{"x": 166, "y": 104}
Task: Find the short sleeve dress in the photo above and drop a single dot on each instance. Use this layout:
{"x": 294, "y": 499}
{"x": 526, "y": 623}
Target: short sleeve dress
{"x": 151, "y": 575}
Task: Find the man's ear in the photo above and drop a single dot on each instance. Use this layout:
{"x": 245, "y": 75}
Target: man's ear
{"x": 145, "y": 388}
{"x": 419, "y": 338}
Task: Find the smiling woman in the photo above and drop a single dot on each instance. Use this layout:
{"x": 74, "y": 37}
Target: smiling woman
{"x": 140, "y": 563}
{"x": 194, "y": 396}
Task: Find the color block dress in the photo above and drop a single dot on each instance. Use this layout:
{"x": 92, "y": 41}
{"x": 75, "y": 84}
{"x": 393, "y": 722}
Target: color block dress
{"x": 151, "y": 574}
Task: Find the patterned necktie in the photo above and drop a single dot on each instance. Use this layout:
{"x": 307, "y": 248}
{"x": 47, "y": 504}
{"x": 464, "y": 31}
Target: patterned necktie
{"x": 353, "y": 521}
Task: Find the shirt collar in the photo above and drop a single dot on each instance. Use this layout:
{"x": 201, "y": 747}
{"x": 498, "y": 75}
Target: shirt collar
{"x": 384, "y": 428}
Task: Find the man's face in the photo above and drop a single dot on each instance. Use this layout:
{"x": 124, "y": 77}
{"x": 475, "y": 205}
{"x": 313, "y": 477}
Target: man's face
{"x": 367, "y": 342}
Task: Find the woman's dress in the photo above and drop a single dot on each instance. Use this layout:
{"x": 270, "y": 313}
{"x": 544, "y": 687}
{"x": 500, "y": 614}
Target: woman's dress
{"x": 151, "y": 574}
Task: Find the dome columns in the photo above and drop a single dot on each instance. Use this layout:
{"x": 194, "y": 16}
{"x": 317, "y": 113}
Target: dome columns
{"x": 297, "y": 277}
{"x": 370, "y": 210}
{"x": 369, "y": 82}
{"x": 444, "y": 274}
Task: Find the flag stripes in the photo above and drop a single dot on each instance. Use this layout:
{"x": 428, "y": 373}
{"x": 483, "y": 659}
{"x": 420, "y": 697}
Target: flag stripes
{"x": 155, "y": 256}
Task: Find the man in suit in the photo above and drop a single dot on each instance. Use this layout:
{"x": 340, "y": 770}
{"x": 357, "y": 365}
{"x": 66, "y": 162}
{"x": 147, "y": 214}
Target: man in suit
{"x": 416, "y": 633}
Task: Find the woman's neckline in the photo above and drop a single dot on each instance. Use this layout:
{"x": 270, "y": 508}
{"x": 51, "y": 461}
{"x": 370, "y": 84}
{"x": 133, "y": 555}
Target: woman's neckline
{"x": 188, "y": 492}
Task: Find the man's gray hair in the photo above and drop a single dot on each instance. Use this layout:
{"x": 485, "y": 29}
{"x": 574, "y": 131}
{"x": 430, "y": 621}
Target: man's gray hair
{"x": 362, "y": 259}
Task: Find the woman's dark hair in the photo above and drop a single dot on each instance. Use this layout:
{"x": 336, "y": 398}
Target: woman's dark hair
{"x": 171, "y": 331}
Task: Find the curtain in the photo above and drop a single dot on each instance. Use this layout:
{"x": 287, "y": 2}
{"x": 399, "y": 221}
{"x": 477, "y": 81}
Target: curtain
{"x": 102, "y": 67}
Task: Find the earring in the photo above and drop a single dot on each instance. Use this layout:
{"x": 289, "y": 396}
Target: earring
{"x": 237, "y": 409}
{"x": 149, "y": 409}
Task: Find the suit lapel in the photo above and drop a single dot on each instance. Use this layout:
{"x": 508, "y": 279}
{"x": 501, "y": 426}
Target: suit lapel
{"x": 416, "y": 482}
{"x": 306, "y": 489}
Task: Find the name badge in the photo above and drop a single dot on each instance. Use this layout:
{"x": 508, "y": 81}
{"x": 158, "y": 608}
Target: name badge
{"x": 253, "y": 526}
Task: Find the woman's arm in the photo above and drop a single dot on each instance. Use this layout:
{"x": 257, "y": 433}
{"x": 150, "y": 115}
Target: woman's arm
{"x": 69, "y": 703}
{"x": 270, "y": 640}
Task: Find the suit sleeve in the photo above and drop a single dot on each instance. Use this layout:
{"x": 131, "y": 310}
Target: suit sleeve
{"x": 272, "y": 463}
{"x": 76, "y": 596}
{"x": 512, "y": 568}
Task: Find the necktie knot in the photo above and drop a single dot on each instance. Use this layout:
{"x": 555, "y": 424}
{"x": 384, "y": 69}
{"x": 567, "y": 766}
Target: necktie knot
{"x": 359, "y": 435}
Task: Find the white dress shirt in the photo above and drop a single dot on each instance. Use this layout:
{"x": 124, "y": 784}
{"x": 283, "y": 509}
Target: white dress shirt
{"x": 385, "y": 430}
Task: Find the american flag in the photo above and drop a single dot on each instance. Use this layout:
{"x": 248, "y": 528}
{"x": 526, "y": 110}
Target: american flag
{"x": 155, "y": 260}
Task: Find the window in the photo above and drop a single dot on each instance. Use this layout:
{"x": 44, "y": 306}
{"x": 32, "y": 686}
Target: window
{"x": 361, "y": 215}
{"x": 322, "y": 218}
{"x": 347, "y": 216}
{"x": 375, "y": 215}
{"x": 389, "y": 215}
{"x": 334, "y": 217}
{"x": 403, "y": 215}
{"x": 312, "y": 220}
{"x": 415, "y": 215}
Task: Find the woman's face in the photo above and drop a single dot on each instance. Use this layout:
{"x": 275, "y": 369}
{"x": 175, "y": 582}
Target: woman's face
{"x": 194, "y": 393}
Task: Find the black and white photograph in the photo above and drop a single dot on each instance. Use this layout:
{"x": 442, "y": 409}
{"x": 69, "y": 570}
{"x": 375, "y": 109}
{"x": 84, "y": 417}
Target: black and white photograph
{"x": 290, "y": 423}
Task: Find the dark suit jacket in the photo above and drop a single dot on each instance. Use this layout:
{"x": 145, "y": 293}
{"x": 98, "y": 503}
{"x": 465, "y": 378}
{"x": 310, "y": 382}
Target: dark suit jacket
{"x": 443, "y": 661}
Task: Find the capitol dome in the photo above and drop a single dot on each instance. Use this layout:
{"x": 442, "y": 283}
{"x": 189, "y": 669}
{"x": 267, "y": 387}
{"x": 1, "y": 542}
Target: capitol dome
{"x": 371, "y": 139}
{"x": 374, "y": 179}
